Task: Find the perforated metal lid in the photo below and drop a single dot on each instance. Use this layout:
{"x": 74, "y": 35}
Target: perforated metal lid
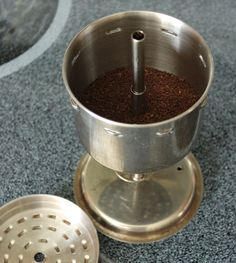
{"x": 46, "y": 228}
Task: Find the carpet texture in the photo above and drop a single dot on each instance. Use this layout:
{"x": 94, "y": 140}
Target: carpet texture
{"x": 39, "y": 148}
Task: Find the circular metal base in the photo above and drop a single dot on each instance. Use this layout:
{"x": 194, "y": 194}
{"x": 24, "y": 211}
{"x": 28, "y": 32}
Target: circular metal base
{"x": 139, "y": 212}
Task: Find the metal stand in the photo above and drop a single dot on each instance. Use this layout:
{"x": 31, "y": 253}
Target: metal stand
{"x": 139, "y": 208}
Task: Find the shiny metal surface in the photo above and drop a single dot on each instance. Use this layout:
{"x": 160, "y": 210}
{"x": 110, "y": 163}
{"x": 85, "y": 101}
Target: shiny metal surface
{"x": 138, "y": 89}
{"x": 170, "y": 45}
{"x": 45, "y": 228}
{"x": 142, "y": 211}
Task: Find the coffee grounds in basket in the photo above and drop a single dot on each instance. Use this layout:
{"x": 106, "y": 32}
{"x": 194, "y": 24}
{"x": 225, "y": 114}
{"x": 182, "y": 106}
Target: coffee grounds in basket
{"x": 166, "y": 96}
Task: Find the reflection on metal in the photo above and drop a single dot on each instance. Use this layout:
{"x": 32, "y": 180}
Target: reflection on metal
{"x": 139, "y": 212}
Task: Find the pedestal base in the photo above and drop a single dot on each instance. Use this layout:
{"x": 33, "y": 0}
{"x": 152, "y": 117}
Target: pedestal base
{"x": 138, "y": 212}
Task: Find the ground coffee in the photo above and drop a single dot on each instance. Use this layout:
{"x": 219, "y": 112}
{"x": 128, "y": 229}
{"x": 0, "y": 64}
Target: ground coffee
{"x": 166, "y": 96}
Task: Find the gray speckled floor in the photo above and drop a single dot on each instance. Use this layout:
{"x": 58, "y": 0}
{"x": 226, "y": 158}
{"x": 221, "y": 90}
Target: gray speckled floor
{"x": 39, "y": 147}
{"x": 22, "y": 23}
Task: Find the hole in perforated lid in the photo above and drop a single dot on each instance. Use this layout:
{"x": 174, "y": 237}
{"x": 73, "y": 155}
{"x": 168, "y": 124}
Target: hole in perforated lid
{"x": 39, "y": 257}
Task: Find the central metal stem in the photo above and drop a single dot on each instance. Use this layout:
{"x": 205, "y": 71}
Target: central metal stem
{"x": 138, "y": 89}
{"x": 132, "y": 178}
